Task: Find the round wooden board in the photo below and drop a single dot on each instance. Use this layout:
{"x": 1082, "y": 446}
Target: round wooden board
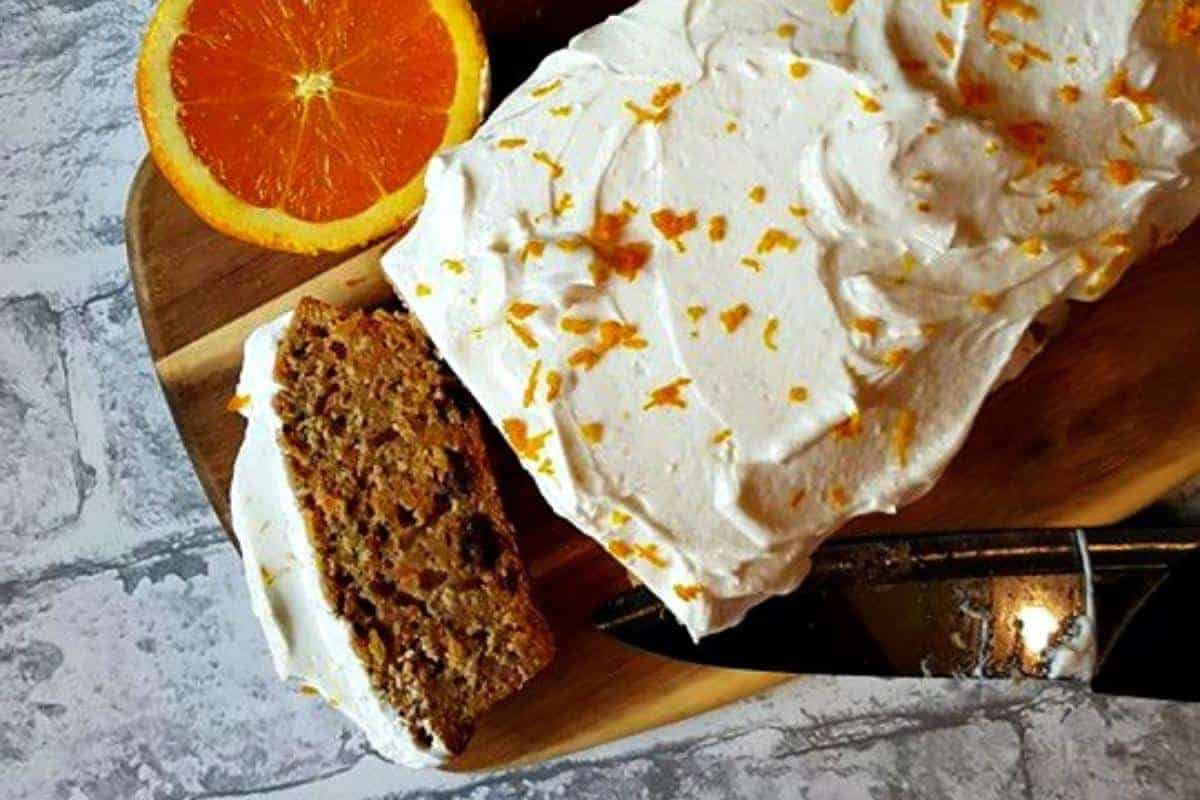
{"x": 1103, "y": 423}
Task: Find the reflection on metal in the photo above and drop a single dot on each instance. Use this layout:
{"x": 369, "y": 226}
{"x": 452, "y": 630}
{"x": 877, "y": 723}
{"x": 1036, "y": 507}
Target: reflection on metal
{"x": 1036, "y": 624}
{"x": 988, "y": 604}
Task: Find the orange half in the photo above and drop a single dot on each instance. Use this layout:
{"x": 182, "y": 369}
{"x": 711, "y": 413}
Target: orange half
{"x": 306, "y": 125}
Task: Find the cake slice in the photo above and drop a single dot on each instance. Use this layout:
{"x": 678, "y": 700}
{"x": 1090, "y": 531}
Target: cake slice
{"x": 379, "y": 558}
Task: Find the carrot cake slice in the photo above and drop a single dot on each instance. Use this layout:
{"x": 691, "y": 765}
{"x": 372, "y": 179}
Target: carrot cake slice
{"x": 379, "y": 559}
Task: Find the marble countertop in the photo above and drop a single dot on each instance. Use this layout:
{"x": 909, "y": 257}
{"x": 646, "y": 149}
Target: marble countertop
{"x": 131, "y": 667}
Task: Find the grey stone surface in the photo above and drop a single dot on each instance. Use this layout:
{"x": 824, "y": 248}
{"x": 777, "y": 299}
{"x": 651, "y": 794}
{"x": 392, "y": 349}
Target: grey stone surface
{"x": 42, "y": 478}
{"x": 131, "y": 666}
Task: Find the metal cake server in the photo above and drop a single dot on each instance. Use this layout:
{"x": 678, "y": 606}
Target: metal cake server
{"x": 1107, "y": 606}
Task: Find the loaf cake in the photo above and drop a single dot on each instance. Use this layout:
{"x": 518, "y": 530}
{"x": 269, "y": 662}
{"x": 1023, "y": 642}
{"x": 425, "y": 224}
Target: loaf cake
{"x": 378, "y": 555}
{"x": 729, "y": 274}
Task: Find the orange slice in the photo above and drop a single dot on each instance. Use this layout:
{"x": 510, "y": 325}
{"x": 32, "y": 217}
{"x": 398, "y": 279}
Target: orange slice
{"x": 306, "y": 125}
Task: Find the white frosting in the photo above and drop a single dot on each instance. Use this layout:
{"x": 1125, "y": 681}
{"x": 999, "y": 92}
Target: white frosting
{"x": 308, "y": 641}
{"x": 921, "y": 211}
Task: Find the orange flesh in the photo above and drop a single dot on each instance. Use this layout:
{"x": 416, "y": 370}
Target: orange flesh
{"x": 301, "y": 106}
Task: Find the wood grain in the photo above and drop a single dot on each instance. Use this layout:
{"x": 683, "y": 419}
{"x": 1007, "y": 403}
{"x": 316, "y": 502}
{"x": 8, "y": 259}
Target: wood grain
{"x": 1101, "y": 424}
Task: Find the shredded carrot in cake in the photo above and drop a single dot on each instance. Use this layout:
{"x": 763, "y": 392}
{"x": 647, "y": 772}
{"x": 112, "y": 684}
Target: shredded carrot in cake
{"x": 237, "y": 403}
{"x": 797, "y": 395}
{"x": 689, "y": 592}
{"x": 722, "y": 436}
{"x": 798, "y": 69}
{"x": 511, "y": 143}
{"x": 717, "y": 228}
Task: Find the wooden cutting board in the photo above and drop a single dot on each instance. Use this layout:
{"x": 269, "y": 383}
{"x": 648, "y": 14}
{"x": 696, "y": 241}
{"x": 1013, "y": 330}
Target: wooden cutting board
{"x": 1103, "y": 423}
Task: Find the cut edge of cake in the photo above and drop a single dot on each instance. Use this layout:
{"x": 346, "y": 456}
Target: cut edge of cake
{"x": 380, "y": 561}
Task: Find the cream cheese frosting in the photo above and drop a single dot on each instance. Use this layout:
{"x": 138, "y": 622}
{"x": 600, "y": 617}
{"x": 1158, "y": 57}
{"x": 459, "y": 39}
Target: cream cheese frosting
{"x": 307, "y": 640}
{"x": 728, "y": 274}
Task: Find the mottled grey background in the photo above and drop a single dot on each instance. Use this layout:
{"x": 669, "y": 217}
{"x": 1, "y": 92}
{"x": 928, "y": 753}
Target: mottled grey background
{"x": 130, "y": 666}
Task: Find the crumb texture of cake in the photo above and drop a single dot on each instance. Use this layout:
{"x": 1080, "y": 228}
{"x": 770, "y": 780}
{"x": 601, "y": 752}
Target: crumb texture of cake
{"x": 402, "y": 536}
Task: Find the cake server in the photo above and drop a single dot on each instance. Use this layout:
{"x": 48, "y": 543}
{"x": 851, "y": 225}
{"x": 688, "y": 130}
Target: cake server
{"x": 1106, "y": 606}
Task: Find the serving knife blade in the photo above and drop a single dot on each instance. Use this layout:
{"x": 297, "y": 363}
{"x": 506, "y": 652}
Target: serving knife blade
{"x": 1107, "y": 606}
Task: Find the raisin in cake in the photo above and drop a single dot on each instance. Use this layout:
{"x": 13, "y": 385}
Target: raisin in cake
{"x": 379, "y": 559}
